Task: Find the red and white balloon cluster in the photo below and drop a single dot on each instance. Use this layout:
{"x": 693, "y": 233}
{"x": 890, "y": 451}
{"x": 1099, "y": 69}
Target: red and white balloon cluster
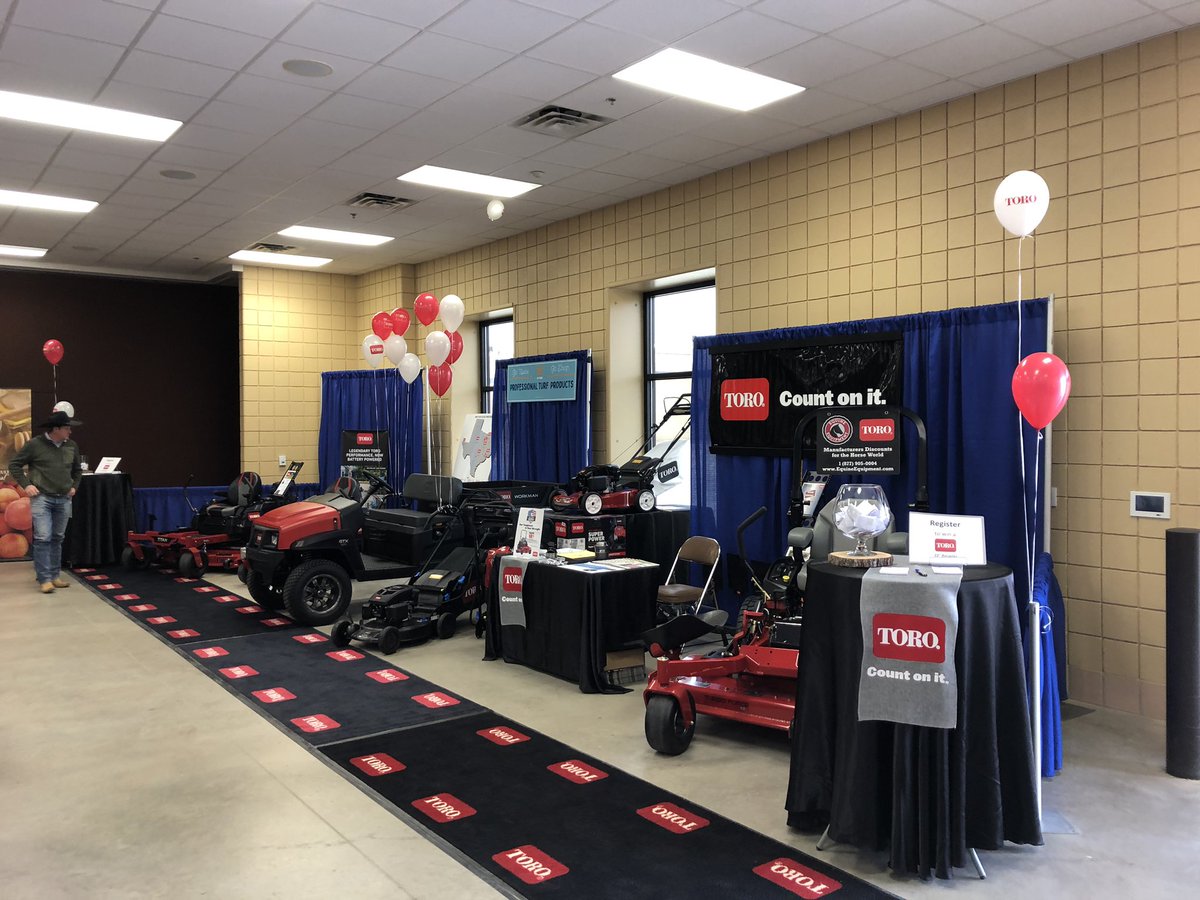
{"x": 442, "y": 348}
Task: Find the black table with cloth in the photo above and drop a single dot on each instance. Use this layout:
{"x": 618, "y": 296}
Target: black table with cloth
{"x": 657, "y": 536}
{"x": 928, "y": 794}
{"x": 573, "y": 619}
{"x": 101, "y": 518}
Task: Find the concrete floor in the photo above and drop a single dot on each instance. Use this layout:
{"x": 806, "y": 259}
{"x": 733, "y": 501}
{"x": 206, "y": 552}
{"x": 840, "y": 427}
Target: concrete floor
{"x": 126, "y": 772}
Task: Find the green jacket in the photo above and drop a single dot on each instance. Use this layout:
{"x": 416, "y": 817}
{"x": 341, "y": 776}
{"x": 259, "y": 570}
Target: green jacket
{"x": 54, "y": 470}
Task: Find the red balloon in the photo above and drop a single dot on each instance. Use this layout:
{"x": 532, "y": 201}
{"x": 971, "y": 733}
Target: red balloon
{"x": 400, "y": 321}
{"x": 456, "y": 346}
{"x": 381, "y": 324}
{"x": 1041, "y": 385}
{"x": 440, "y": 378}
{"x": 426, "y": 308}
{"x": 53, "y": 351}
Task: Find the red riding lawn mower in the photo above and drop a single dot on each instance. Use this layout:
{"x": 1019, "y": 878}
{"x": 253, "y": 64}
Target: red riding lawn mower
{"x": 218, "y": 531}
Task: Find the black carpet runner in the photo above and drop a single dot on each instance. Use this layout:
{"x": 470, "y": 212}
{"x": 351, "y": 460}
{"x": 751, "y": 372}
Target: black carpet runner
{"x": 529, "y": 814}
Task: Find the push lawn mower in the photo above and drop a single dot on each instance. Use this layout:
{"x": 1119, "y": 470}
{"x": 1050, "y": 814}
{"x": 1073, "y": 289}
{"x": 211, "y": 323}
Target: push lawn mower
{"x": 752, "y": 680}
{"x": 432, "y": 600}
{"x": 218, "y": 531}
{"x": 597, "y": 489}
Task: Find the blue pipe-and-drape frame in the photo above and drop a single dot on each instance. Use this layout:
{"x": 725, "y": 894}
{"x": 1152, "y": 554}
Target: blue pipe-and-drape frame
{"x": 958, "y": 367}
{"x": 371, "y": 400}
{"x": 546, "y": 441}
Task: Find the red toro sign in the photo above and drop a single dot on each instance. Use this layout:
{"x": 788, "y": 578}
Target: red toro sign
{"x": 911, "y": 638}
{"x": 797, "y": 879}
{"x": 510, "y": 579}
{"x": 444, "y": 808}
{"x": 365, "y": 438}
{"x": 274, "y": 695}
{"x": 530, "y": 864}
{"x": 503, "y": 736}
{"x": 945, "y": 545}
{"x": 875, "y": 430}
{"x": 377, "y": 764}
{"x": 745, "y": 399}
{"x": 577, "y": 771}
{"x": 673, "y": 818}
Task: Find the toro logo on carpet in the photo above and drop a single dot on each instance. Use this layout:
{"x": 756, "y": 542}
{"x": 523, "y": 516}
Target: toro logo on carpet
{"x": 577, "y": 771}
{"x": 377, "y": 764}
{"x": 912, "y": 638}
{"x": 183, "y": 633}
{"x": 436, "y": 700}
{"x": 124, "y": 597}
{"x": 274, "y": 623}
{"x": 530, "y": 864}
{"x": 211, "y": 652}
{"x": 673, "y": 818}
{"x": 274, "y": 695}
{"x": 344, "y": 655}
{"x": 444, "y": 808}
{"x": 247, "y": 610}
{"x": 800, "y": 880}
{"x": 387, "y": 676}
{"x": 238, "y": 672}
{"x": 503, "y": 736}
{"x": 109, "y": 587}
{"x": 314, "y": 724}
{"x": 144, "y": 607}
{"x": 161, "y": 620}
{"x": 207, "y": 589}
{"x": 230, "y": 598}
{"x": 310, "y": 638}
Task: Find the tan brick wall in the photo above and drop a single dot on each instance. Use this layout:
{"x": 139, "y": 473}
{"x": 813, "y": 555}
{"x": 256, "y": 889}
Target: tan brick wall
{"x": 896, "y": 218}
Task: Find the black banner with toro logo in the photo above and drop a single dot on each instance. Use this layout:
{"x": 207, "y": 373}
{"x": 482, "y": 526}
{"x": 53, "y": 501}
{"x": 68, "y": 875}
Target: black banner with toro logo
{"x": 855, "y": 441}
{"x": 364, "y": 450}
{"x": 762, "y": 391}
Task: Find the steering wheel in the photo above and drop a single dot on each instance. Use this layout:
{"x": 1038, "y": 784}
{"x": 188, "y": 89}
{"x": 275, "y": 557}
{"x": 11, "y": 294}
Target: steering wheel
{"x": 377, "y": 482}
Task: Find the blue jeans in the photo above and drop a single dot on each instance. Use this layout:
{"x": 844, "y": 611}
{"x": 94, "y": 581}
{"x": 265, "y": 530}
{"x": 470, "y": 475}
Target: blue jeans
{"x": 50, "y": 517}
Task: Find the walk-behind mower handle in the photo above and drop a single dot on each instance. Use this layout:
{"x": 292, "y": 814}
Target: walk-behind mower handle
{"x": 753, "y": 517}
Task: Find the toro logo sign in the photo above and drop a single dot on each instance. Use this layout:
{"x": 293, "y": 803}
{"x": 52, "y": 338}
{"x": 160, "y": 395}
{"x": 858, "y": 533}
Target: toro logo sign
{"x": 530, "y": 864}
{"x": 911, "y": 638}
{"x": 444, "y": 808}
{"x": 387, "y": 676}
{"x": 505, "y": 737}
{"x": 796, "y": 878}
{"x": 877, "y": 430}
{"x": 745, "y": 399}
{"x": 945, "y": 545}
{"x": 344, "y": 655}
{"x": 365, "y": 439}
{"x": 377, "y": 764}
{"x": 238, "y": 672}
{"x": 435, "y": 700}
{"x": 511, "y": 579}
{"x": 274, "y": 695}
{"x": 577, "y": 771}
{"x": 314, "y": 724}
{"x": 210, "y": 652}
{"x": 310, "y": 638}
{"x": 673, "y": 818}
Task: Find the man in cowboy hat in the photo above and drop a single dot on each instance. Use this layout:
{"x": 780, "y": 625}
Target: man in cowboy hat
{"x": 48, "y": 467}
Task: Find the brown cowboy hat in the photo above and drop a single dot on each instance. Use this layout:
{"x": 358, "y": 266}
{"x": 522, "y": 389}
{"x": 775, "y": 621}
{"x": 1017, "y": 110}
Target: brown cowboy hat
{"x": 58, "y": 420}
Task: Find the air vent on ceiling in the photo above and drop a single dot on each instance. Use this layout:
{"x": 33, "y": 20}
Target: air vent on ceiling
{"x": 369, "y": 200}
{"x": 264, "y": 247}
{"x": 560, "y": 122}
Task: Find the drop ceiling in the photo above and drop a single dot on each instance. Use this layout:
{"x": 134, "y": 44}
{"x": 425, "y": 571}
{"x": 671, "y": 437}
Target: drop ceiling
{"x": 440, "y": 82}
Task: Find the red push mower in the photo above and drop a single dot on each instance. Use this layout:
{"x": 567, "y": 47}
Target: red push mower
{"x": 609, "y": 488}
{"x": 218, "y": 531}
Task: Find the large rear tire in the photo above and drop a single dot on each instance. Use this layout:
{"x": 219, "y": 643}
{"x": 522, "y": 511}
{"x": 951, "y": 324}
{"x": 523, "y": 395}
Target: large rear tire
{"x": 665, "y": 730}
{"x": 317, "y": 592}
{"x": 262, "y": 592}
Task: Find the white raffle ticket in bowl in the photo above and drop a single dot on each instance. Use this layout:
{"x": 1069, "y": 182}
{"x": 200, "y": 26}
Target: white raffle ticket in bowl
{"x": 862, "y": 518}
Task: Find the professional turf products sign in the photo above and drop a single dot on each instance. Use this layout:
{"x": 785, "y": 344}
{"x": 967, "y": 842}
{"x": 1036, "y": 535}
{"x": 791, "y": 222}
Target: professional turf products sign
{"x": 760, "y": 392}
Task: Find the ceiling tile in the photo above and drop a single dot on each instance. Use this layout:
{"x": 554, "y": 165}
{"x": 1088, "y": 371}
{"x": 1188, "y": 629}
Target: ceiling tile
{"x": 149, "y": 100}
{"x": 267, "y": 93}
{"x": 991, "y": 10}
{"x": 689, "y": 148}
{"x": 883, "y": 81}
{"x": 105, "y": 22}
{"x": 96, "y": 162}
{"x": 536, "y": 79}
{"x": 482, "y": 107}
{"x": 1056, "y": 21}
{"x": 818, "y": 62}
{"x": 663, "y": 22}
{"x": 1038, "y": 61}
{"x": 270, "y": 62}
{"x": 173, "y": 155}
{"x": 260, "y": 121}
{"x": 346, "y": 109}
{"x": 904, "y": 27}
{"x": 347, "y": 33}
{"x": 419, "y": 13}
{"x": 857, "y": 119}
{"x": 1187, "y": 14}
{"x": 640, "y": 165}
{"x": 82, "y": 61}
{"x": 938, "y": 93}
{"x": 200, "y": 43}
{"x": 822, "y": 15}
{"x": 970, "y": 51}
{"x": 205, "y": 137}
{"x": 1120, "y": 35}
{"x": 446, "y": 57}
{"x": 744, "y": 38}
{"x": 578, "y": 8}
{"x": 578, "y": 154}
{"x": 266, "y": 18}
{"x": 594, "y": 48}
{"x": 181, "y": 75}
{"x": 514, "y": 141}
{"x": 395, "y": 86}
{"x": 501, "y": 23}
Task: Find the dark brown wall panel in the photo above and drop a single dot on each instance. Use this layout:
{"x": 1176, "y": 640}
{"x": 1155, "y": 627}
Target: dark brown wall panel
{"x": 151, "y": 367}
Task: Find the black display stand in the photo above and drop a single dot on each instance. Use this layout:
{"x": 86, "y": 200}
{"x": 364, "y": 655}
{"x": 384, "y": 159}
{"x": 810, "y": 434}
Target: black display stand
{"x": 101, "y": 518}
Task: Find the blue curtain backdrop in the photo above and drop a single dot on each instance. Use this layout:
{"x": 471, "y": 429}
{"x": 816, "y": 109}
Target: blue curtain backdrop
{"x": 958, "y": 367}
{"x": 167, "y": 509}
{"x": 549, "y": 441}
{"x": 371, "y": 400}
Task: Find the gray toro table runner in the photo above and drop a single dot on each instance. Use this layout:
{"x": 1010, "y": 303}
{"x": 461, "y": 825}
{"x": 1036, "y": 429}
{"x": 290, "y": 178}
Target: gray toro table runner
{"x": 512, "y": 582}
{"x": 910, "y": 627}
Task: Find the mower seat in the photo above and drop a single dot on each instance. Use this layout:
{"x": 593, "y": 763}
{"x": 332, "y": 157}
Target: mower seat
{"x": 429, "y": 492}
{"x": 223, "y": 514}
{"x": 823, "y": 538}
{"x": 407, "y": 535}
{"x": 347, "y": 487}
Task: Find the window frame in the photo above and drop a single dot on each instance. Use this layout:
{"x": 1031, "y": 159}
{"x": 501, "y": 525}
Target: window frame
{"x": 649, "y": 414}
{"x": 487, "y": 391}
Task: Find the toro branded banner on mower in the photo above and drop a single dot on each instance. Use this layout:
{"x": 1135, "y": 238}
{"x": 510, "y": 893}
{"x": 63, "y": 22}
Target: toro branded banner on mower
{"x": 760, "y": 392}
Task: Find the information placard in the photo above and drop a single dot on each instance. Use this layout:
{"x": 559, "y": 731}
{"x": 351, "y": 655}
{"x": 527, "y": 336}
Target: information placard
{"x": 529, "y": 532}
{"x": 948, "y": 540}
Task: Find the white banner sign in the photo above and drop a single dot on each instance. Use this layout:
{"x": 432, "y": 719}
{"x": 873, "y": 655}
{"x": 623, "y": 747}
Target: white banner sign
{"x": 951, "y": 540}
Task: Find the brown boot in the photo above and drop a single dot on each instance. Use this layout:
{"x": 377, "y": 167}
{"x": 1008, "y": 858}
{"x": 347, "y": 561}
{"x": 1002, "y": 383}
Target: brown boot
{"x": 61, "y": 582}
{"x": 47, "y": 587}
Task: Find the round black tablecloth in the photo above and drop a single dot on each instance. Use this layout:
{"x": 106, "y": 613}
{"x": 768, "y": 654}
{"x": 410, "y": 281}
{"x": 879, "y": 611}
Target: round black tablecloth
{"x": 101, "y": 517}
{"x": 928, "y": 794}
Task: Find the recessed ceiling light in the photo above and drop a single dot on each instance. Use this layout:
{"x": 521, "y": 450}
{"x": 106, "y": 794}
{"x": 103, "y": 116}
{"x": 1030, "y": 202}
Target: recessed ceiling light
{"x": 335, "y": 237}
{"x": 85, "y": 117}
{"x": 31, "y": 252}
{"x": 178, "y": 174}
{"x": 279, "y": 259}
{"x": 309, "y": 68}
{"x": 687, "y": 75}
{"x": 46, "y": 201}
{"x": 490, "y": 185}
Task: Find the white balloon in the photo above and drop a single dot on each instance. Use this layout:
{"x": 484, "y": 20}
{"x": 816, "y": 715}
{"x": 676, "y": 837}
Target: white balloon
{"x": 394, "y": 348}
{"x": 1021, "y": 202}
{"x": 372, "y": 350}
{"x": 410, "y": 367}
{"x": 452, "y": 312}
{"x": 64, "y": 406}
{"x": 437, "y": 347}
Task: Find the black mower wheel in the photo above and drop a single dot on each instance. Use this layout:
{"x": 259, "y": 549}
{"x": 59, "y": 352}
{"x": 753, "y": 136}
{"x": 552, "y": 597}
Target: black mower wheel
{"x": 665, "y": 731}
{"x": 243, "y": 572}
{"x": 591, "y": 503}
{"x": 191, "y": 565}
{"x": 262, "y": 592}
{"x": 317, "y": 592}
{"x": 446, "y": 625}
{"x": 389, "y": 640}
{"x": 342, "y": 632}
{"x": 646, "y": 501}
{"x": 479, "y": 620}
{"x": 130, "y": 560}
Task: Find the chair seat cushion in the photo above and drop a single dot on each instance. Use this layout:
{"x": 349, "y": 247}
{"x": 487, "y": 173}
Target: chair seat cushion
{"x": 678, "y": 593}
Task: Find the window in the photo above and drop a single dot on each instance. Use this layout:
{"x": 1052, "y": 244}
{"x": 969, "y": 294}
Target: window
{"x": 673, "y": 318}
{"x": 496, "y": 341}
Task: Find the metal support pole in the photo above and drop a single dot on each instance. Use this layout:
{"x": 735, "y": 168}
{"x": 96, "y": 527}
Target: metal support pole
{"x": 1035, "y": 712}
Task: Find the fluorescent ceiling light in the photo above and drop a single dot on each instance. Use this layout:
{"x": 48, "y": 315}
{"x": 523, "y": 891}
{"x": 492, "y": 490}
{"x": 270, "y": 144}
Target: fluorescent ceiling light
{"x": 688, "y": 75}
{"x": 46, "y": 201}
{"x": 31, "y": 252}
{"x": 335, "y": 237}
{"x": 488, "y": 185}
{"x": 279, "y": 259}
{"x": 85, "y": 117}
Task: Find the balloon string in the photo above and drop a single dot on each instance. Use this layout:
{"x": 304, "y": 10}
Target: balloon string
{"x": 1031, "y": 542}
